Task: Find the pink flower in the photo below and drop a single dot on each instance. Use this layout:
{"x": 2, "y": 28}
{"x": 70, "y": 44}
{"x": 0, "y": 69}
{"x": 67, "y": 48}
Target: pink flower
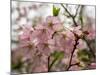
{"x": 92, "y": 66}
{"x": 74, "y": 68}
{"x": 41, "y": 64}
{"x": 64, "y": 41}
{"x": 44, "y": 30}
{"x": 42, "y": 68}
{"x": 77, "y": 30}
{"x": 25, "y": 37}
{"x": 54, "y": 23}
{"x": 42, "y": 34}
{"x": 65, "y": 60}
{"x": 92, "y": 34}
{"x": 46, "y": 48}
{"x": 23, "y": 53}
{"x": 82, "y": 44}
{"x": 25, "y": 33}
{"x": 91, "y": 30}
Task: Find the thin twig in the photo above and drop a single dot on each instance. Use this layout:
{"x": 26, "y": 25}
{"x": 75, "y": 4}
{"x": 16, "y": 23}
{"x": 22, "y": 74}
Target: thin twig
{"x": 75, "y": 64}
{"x": 77, "y": 11}
{"x": 66, "y": 10}
{"x": 76, "y": 43}
{"x": 73, "y": 17}
{"x": 77, "y": 38}
{"x": 48, "y": 63}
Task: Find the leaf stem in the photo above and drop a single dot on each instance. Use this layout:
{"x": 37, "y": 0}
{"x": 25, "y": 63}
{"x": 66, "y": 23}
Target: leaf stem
{"x": 50, "y": 65}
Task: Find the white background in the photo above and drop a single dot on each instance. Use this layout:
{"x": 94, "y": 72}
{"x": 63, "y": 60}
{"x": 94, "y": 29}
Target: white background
{"x": 5, "y": 37}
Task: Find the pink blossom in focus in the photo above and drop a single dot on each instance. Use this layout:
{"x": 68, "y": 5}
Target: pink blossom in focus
{"x": 42, "y": 34}
{"x": 63, "y": 41}
{"x": 47, "y": 47}
{"x": 54, "y": 23}
{"x": 25, "y": 36}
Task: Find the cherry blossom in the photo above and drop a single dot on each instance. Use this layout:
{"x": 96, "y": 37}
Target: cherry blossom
{"x": 54, "y": 23}
{"x": 92, "y": 66}
{"x": 62, "y": 41}
{"x": 25, "y": 36}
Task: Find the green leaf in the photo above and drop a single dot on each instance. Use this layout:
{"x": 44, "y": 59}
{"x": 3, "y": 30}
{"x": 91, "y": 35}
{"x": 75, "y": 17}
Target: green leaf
{"x": 16, "y": 66}
{"x": 84, "y": 55}
{"x": 57, "y": 57}
{"x": 55, "y": 11}
{"x": 81, "y": 19}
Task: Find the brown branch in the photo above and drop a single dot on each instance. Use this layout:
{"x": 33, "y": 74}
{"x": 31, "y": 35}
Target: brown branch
{"x": 77, "y": 38}
{"x": 76, "y": 43}
{"x": 48, "y": 63}
{"x": 77, "y": 11}
{"x": 73, "y": 17}
{"x": 66, "y": 10}
{"x": 75, "y": 64}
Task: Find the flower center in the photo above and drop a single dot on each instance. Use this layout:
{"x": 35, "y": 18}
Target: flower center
{"x": 46, "y": 44}
{"x": 44, "y": 30}
{"x": 50, "y": 25}
{"x": 64, "y": 36}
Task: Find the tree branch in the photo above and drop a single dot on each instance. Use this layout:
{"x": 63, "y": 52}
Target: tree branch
{"x": 73, "y": 17}
{"x": 76, "y": 43}
{"x": 77, "y": 11}
{"x": 66, "y": 10}
{"x": 76, "y": 36}
{"x": 75, "y": 64}
{"x": 48, "y": 63}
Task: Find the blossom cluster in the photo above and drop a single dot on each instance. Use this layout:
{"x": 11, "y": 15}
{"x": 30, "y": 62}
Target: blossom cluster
{"x": 48, "y": 36}
{"x": 37, "y": 43}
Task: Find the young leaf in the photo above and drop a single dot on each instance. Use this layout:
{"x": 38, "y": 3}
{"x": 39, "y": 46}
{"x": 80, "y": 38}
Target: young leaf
{"x": 84, "y": 55}
{"x": 57, "y": 57}
{"x": 16, "y": 66}
{"x": 55, "y": 11}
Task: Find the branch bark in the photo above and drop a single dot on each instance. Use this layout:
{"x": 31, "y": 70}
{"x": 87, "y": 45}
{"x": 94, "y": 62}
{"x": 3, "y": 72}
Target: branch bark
{"x": 77, "y": 38}
{"x": 73, "y": 17}
{"x": 76, "y": 43}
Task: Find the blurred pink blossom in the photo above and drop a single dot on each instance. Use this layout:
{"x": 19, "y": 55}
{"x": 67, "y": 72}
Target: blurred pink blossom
{"x": 77, "y": 30}
{"x": 63, "y": 41}
{"x": 92, "y": 66}
{"x": 92, "y": 34}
